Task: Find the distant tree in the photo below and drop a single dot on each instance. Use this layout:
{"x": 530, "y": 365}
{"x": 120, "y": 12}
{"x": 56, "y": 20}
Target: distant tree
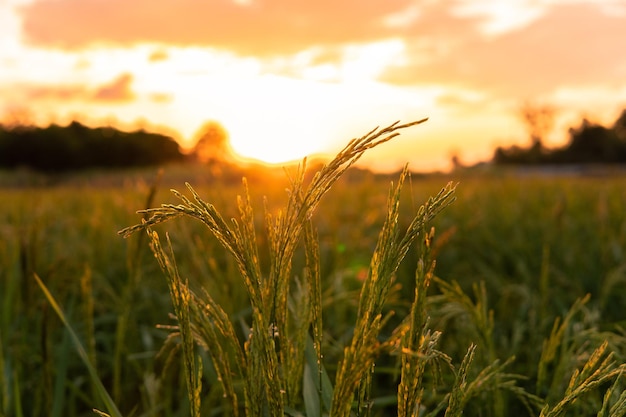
{"x": 619, "y": 127}
{"x": 593, "y": 143}
{"x": 513, "y": 155}
{"x": 212, "y": 144}
{"x": 456, "y": 162}
{"x": 539, "y": 121}
{"x": 589, "y": 143}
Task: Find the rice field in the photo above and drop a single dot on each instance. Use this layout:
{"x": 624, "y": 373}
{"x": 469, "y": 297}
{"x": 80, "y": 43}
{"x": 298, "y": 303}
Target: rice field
{"x": 366, "y": 298}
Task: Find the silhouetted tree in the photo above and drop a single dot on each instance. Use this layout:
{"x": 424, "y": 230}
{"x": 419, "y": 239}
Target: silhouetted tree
{"x": 539, "y": 121}
{"x": 518, "y": 155}
{"x": 456, "y": 162}
{"x": 594, "y": 143}
{"x": 212, "y": 144}
{"x": 619, "y": 127}
{"x": 589, "y": 143}
{"x": 213, "y": 148}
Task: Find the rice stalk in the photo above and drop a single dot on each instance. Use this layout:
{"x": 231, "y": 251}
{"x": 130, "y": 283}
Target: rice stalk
{"x": 459, "y": 303}
{"x": 215, "y": 333}
{"x": 181, "y": 298}
{"x": 482, "y": 319}
{"x": 314, "y": 287}
{"x": 554, "y": 353}
{"x": 491, "y": 378}
{"x": 599, "y": 368}
{"x": 618, "y": 408}
{"x": 390, "y": 250}
{"x": 459, "y": 395}
{"x": 274, "y": 349}
{"x": 417, "y": 345}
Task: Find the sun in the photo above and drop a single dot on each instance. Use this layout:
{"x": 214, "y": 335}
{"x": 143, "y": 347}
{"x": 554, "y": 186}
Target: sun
{"x": 273, "y": 123}
{"x": 273, "y": 141}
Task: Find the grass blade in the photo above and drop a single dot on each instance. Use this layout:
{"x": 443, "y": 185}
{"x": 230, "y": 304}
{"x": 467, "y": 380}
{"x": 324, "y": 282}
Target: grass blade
{"x": 101, "y": 390}
{"x": 317, "y": 388}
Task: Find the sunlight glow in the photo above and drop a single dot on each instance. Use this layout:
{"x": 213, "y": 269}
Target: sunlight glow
{"x": 272, "y": 122}
{"x": 284, "y": 143}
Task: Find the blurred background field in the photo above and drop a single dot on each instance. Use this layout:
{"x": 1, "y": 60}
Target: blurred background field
{"x": 525, "y": 246}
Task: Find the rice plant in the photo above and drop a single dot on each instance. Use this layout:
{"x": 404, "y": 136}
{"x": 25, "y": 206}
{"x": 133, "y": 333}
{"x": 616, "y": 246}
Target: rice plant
{"x": 276, "y": 354}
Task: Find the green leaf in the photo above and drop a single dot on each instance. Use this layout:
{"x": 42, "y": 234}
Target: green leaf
{"x": 103, "y": 393}
{"x": 310, "y": 393}
{"x": 316, "y": 388}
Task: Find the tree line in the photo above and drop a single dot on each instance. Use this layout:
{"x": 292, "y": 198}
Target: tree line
{"x": 75, "y": 146}
{"x": 590, "y": 143}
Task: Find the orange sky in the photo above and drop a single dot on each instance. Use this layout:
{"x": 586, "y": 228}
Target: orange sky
{"x": 291, "y": 77}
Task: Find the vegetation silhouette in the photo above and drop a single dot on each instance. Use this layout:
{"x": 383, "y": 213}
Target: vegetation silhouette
{"x": 589, "y": 143}
{"x": 212, "y": 144}
{"x": 75, "y": 147}
{"x": 212, "y": 148}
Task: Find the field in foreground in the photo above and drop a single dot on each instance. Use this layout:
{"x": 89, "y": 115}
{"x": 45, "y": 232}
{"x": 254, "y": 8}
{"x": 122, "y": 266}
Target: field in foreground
{"x": 523, "y": 250}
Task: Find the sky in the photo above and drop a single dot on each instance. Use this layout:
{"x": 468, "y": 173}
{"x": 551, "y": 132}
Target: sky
{"x": 289, "y": 78}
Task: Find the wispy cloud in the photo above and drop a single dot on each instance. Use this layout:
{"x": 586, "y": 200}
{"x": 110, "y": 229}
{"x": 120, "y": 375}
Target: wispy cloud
{"x": 158, "y": 56}
{"x": 572, "y": 44}
{"x": 254, "y": 27}
{"x": 117, "y": 91}
{"x": 503, "y": 47}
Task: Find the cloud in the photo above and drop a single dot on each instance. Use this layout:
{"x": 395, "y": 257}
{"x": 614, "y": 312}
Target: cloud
{"x": 255, "y": 27}
{"x": 502, "y": 47}
{"x": 476, "y": 51}
{"x": 65, "y": 93}
{"x": 497, "y": 16}
{"x": 118, "y": 90}
{"x": 570, "y": 44}
{"x": 158, "y": 55}
{"x": 161, "y": 97}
